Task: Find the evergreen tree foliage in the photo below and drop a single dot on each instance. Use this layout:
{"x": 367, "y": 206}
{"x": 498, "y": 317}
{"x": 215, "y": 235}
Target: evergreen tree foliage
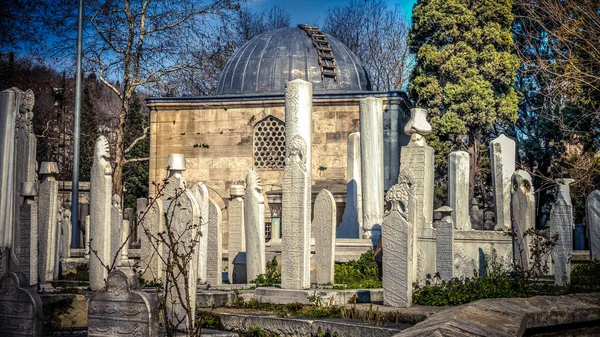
{"x": 464, "y": 74}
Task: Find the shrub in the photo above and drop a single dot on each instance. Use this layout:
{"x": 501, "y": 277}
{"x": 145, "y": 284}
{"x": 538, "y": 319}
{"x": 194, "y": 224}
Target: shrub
{"x": 272, "y": 276}
{"x": 356, "y": 274}
{"x": 584, "y": 277}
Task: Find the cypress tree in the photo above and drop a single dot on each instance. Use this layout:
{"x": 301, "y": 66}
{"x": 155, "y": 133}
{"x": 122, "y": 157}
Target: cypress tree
{"x": 464, "y": 74}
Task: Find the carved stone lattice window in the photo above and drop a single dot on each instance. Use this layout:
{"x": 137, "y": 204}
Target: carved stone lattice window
{"x": 269, "y": 143}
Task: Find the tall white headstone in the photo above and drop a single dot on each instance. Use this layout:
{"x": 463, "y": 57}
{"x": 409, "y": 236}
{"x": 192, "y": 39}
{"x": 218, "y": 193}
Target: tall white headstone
{"x": 116, "y": 230}
{"x": 200, "y": 192}
{"x": 100, "y": 215}
{"x": 47, "y": 221}
{"x": 214, "y": 265}
{"x": 64, "y": 221}
{"x": 150, "y": 225}
{"x": 561, "y": 225}
{"x": 296, "y": 194}
{"x": 592, "y": 212}
{"x": 372, "y": 167}
{"x": 351, "y": 226}
{"x": 458, "y": 189}
{"x": 237, "y": 236}
{"x": 181, "y": 227}
{"x": 502, "y": 156}
{"x": 254, "y": 221}
{"x": 397, "y": 243}
{"x": 324, "y": 232}
{"x": 523, "y": 215}
{"x": 418, "y": 157}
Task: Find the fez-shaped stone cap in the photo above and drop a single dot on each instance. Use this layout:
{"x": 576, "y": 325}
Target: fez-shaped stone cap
{"x": 49, "y": 168}
{"x": 28, "y": 189}
{"x": 176, "y": 162}
{"x": 237, "y": 191}
{"x": 565, "y": 181}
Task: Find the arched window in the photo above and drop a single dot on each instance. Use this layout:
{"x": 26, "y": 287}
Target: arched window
{"x": 269, "y": 143}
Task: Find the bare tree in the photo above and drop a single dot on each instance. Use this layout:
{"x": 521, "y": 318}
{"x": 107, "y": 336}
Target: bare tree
{"x": 377, "y": 34}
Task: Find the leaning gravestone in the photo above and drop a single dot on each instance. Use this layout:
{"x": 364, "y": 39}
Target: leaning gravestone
{"x": 237, "y": 237}
{"x": 592, "y": 212}
{"x": 561, "y": 225}
{"x": 254, "y": 221}
{"x": 214, "y": 257}
{"x": 20, "y": 307}
{"x": 444, "y": 244}
{"x": 502, "y": 156}
{"x": 397, "y": 235}
{"x": 324, "y": 232}
{"x": 522, "y": 206}
{"x": 122, "y": 308}
{"x": 100, "y": 214}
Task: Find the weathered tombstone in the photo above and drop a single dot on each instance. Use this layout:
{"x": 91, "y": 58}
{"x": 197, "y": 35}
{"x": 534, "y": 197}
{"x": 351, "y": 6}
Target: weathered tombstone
{"x": 254, "y": 222}
{"x": 458, "y": 189}
{"x": 122, "y": 308}
{"x": 444, "y": 244}
{"x": 372, "y": 167}
{"x": 200, "y": 192}
{"x": 47, "y": 220}
{"x": 150, "y": 222}
{"x": 20, "y": 307}
{"x": 10, "y": 102}
{"x": 351, "y": 226}
{"x": 561, "y": 224}
{"x": 100, "y": 215}
{"x": 406, "y": 183}
{"x": 419, "y": 159}
{"x": 215, "y": 245}
{"x": 237, "y": 238}
{"x": 181, "y": 226}
{"x": 475, "y": 215}
{"x": 87, "y": 237}
{"x": 489, "y": 222}
{"x": 502, "y": 156}
{"x": 116, "y": 230}
{"x": 28, "y": 253}
{"x": 25, "y": 167}
{"x": 397, "y": 235}
{"x": 129, "y": 215}
{"x": 324, "y": 232}
{"x": 592, "y": 213}
{"x": 64, "y": 221}
{"x": 523, "y": 215}
{"x": 84, "y": 211}
{"x": 123, "y": 259}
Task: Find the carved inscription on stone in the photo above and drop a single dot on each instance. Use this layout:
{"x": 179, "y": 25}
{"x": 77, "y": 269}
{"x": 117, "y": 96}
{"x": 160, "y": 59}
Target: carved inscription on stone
{"x": 324, "y": 232}
{"x": 444, "y": 247}
{"x": 28, "y": 250}
{"x": 20, "y": 307}
{"x": 592, "y": 211}
{"x": 122, "y": 309}
{"x": 215, "y": 245}
{"x": 150, "y": 245}
{"x": 561, "y": 225}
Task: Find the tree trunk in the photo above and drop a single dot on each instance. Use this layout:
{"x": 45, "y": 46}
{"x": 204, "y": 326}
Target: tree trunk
{"x": 119, "y": 153}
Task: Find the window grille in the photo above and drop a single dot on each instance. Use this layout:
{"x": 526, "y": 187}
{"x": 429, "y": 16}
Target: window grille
{"x": 269, "y": 143}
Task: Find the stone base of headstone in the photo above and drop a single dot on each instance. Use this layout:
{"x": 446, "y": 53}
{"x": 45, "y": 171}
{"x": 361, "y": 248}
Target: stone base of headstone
{"x": 420, "y": 161}
{"x": 21, "y": 307}
{"x": 122, "y": 309}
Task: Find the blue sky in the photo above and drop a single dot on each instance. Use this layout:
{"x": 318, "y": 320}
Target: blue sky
{"x": 313, "y": 11}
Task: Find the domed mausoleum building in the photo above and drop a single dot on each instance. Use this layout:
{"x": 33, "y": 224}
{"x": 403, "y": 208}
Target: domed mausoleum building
{"x": 242, "y": 127}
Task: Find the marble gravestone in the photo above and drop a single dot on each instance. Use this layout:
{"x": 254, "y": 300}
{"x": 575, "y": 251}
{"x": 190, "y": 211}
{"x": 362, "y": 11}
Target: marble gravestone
{"x": 372, "y": 166}
{"x": 65, "y": 233}
{"x": 123, "y": 258}
{"x": 200, "y": 192}
{"x": 181, "y": 228}
{"x": 418, "y": 157}
{"x": 561, "y": 225}
{"x": 397, "y": 234}
{"x": 150, "y": 222}
{"x": 116, "y": 230}
{"x": 324, "y": 232}
{"x": 444, "y": 244}
{"x": 406, "y": 184}
{"x": 351, "y": 226}
{"x": 25, "y": 168}
{"x": 523, "y": 215}
{"x": 122, "y": 308}
{"x": 215, "y": 245}
{"x": 502, "y": 156}
{"x": 592, "y": 212}
{"x": 20, "y": 307}
{"x": 458, "y": 189}
{"x": 28, "y": 252}
{"x": 296, "y": 187}
{"x": 10, "y": 102}
{"x": 254, "y": 222}
{"x": 100, "y": 215}
{"x": 47, "y": 220}
{"x": 237, "y": 237}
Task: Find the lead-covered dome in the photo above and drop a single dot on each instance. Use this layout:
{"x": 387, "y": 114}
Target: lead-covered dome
{"x": 264, "y": 64}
